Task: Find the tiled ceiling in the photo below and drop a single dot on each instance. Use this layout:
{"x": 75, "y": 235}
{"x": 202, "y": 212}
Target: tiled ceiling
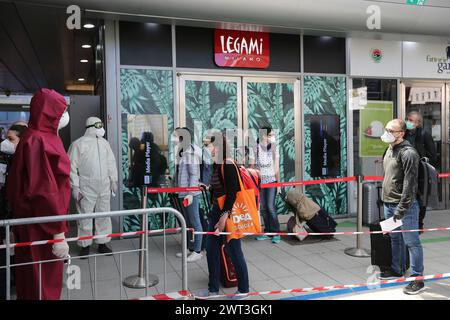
{"x": 37, "y": 50}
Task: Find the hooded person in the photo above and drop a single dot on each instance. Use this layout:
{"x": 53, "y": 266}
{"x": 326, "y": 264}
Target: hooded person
{"x": 38, "y": 186}
{"x": 93, "y": 177}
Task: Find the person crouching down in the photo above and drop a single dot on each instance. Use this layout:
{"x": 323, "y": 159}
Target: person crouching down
{"x": 401, "y": 163}
{"x": 93, "y": 177}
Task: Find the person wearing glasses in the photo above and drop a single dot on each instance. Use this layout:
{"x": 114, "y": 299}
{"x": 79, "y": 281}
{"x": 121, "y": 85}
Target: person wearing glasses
{"x": 93, "y": 177}
{"x": 401, "y": 165}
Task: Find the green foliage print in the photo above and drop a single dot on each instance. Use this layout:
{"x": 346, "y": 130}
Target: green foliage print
{"x": 210, "y": 105}
{"x": 144, "y": 91}
{"x": 326, "y": 95}
{"x": 273, "y": 104}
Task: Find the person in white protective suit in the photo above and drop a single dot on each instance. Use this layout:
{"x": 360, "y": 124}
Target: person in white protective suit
{"x": 93, "y": 177}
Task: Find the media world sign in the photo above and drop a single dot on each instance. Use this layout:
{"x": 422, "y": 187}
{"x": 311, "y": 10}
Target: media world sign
{"x": 241, "y": 49}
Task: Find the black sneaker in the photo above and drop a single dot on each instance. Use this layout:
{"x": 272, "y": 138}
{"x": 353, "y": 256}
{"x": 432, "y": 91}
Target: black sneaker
{"x": 389, "y": 275}
{"x": 414, "y": 287}
{"x": 103, "y": 248}
{"x": 84, "y": 252}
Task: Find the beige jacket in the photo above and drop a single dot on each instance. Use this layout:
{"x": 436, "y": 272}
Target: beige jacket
{"x": 305, "y": 208}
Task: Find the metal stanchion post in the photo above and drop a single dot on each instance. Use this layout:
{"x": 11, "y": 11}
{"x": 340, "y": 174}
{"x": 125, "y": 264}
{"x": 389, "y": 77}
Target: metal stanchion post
{"x": 139, "y": 281}
{"x": 359, "y": 251}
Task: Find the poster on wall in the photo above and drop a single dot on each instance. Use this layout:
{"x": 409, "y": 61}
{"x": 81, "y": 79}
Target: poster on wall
{"x": 325, "y": 145}
{"x": 358, "y": 98}
{"x": 147, "y": 149}
{"x": 373, "y": 119}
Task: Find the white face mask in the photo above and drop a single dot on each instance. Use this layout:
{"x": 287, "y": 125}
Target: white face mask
{"x": 100, "y": 132}
{"x": 7, "y": 147}
{"x": 64, "y": 121}
{"x": 388, "y": 137}
{"x": 272, "y": 140}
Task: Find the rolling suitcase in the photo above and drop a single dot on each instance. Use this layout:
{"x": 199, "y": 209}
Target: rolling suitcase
{"x": 322, "y": 223}
{"x": 228, "y": 274}
{"x": 371, "y": 202}
{"x": 380, "y": 245}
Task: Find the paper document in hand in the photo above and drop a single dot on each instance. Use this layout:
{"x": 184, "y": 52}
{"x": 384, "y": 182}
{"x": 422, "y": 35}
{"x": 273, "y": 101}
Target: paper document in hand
{"x": 389, "y": 224}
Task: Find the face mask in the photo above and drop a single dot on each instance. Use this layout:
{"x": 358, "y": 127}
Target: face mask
{"x": 64, "y": 121}
{"x": 175, "y": 140}
{"x": 388, "y": 137}
{"x": 7, "y": 147}
{"x": 409, "y": 125}
{"x": 272, "y": 140}
{"x": 100, "y": 132}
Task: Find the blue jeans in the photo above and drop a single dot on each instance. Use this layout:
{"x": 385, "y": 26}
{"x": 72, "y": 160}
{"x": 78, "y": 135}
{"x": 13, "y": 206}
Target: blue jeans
{"x": 410, "y": 239}
{"x": 193, "y": 221}
{"x": 268, "y": 211}
{"x": 233, "y": 247}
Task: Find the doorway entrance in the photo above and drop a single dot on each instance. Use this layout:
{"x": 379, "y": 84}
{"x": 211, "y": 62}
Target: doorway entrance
{"x": 245, "y": 104}
{"x": 431, "y": 100}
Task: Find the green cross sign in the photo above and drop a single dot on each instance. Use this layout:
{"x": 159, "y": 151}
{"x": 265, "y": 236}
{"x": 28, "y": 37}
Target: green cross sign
{"x": 416, "y": 2}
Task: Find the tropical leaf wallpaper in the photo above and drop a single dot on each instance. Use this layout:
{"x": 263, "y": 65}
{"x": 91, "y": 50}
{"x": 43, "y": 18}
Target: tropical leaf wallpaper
{"x": 326, "y": 95}
{"x": 144, "y": 91}
{"x": 273, "y": 104}
{"x": 210, "y": 105}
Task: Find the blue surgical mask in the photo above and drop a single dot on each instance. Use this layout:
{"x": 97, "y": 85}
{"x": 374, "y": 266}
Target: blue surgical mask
{"x": 409, "y": 125}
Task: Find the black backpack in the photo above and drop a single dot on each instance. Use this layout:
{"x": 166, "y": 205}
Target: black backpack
{"x": 427, "y": 193}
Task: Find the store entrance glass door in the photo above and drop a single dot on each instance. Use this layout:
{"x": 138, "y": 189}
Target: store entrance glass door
{"x": 428, "y": 100}
{"x": 242, "y": 104}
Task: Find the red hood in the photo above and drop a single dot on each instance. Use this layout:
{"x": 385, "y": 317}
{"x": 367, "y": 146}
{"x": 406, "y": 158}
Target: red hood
{"x": 46, "y": 109}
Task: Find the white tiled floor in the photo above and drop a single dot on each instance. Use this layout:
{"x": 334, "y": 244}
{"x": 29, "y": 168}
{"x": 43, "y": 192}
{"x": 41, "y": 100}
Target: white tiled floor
{"x": 271, "y": 267}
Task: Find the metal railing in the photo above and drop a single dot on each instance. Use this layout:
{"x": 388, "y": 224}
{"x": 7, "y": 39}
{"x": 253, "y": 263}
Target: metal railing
{"x": 7, "y": 224}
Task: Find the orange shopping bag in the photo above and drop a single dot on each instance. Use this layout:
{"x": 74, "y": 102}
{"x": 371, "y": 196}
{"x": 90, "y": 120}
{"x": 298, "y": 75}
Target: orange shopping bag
{"x": 244, "y": 215}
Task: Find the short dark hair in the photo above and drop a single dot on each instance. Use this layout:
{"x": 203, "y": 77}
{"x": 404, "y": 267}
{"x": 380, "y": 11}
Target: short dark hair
{"x": 266, "y": 130}
{"x": 18, "y": 128}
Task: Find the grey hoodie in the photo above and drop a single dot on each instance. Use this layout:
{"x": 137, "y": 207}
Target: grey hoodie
{"x": 401, "y": 165}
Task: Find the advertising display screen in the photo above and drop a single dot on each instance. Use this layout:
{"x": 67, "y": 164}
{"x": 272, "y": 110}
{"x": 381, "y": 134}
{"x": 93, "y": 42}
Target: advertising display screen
{"x": 325, "y": 145}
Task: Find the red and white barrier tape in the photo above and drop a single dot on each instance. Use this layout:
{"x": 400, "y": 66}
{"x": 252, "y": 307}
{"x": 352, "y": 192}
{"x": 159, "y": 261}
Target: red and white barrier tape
{"x": 111, "y": 235}
{"x": 307, "y": 182}
{"x": 179, "y": 295}
{"x": 284, "y": 184}
{"x": 328, "y": 288}
{"x": 318, "y": 234}
{"x": 125, "y": 234}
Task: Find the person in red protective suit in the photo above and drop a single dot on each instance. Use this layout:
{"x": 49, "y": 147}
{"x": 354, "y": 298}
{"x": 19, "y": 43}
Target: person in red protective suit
{"x": 38, "y": 186}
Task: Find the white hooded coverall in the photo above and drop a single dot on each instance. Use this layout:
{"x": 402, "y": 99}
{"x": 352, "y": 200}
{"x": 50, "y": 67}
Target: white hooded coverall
{"x": 93, "y": 168}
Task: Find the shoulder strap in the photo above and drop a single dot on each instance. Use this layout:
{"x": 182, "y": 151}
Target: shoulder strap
{"x": 237, "y": 171}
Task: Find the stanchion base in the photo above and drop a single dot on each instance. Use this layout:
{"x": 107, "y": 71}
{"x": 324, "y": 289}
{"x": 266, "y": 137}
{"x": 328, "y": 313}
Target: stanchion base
{"x": 136, "y": 282}
{"x": 357, "y": 252}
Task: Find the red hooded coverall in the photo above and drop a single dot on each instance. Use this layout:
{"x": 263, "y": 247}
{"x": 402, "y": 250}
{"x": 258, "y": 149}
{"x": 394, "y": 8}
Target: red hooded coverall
{"x": 38, "y": 185}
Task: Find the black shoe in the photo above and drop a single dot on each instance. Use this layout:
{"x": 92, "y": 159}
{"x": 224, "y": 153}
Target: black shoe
{"x": 389, "y": 275}
{"x": 414, "y": 287}
{"x": 84, "y": 252}
{"x": 103, "y": 248}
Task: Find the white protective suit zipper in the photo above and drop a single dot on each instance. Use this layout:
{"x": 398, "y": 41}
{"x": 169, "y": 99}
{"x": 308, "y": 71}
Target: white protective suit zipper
{"x": 99, "y": 162}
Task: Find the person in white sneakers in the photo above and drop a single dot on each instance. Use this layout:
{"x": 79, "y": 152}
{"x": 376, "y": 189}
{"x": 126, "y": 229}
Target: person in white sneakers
{"x": 187, "y": 174}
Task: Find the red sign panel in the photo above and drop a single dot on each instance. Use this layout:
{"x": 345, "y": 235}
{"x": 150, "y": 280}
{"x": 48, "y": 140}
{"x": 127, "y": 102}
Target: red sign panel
{"x": 241, "y": 49}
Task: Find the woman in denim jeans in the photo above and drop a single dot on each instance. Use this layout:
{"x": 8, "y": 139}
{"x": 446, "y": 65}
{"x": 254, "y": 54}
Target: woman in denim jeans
{"x": 228, "y": 185}
{"x": 265, "y": 158}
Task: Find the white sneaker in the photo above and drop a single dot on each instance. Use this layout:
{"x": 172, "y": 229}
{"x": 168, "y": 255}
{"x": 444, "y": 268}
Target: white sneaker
{"x": 194, "y": 256}
{"x": 180, "y": 254}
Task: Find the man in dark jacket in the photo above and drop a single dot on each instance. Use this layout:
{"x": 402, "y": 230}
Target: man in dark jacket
{"x": 399, "y": 193}
{"x": 423, "y": 142}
